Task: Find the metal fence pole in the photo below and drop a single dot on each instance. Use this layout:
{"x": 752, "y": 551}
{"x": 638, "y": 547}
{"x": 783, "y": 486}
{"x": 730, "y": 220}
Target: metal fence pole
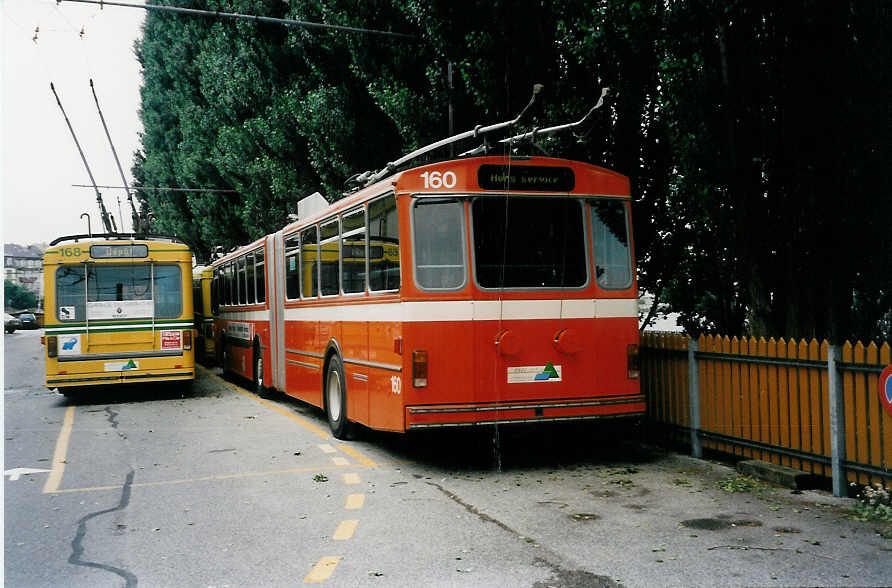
{"x": 837, "y": 422}
{"x": 694, "y": 398}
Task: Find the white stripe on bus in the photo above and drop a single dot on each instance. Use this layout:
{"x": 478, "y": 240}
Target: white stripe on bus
{"x": 468, "y": 310}
{"x": 123, "y": 326}
{"x": 245, "y": 315}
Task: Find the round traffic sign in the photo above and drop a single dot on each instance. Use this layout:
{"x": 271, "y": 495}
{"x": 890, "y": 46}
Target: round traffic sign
{"x": 885, "y": 388}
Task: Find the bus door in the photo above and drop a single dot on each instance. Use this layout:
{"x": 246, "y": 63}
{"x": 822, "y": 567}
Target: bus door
{"x": 531, "y": 253}
{"x": 354, "y": 327}
{"x": 275, "y": 286}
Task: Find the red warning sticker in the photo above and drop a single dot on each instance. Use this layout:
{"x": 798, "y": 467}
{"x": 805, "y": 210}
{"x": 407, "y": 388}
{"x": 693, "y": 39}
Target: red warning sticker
{"x": 171, "y": 339}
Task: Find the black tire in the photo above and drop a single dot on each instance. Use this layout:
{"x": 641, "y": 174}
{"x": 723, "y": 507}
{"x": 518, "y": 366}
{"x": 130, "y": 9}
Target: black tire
{"x": 69, "y": 392}
{"x": 183, "y": 387}
{"x": 259, "y": 388}
{"x": 334, "y": 392}
{"x": 224, "y": 355}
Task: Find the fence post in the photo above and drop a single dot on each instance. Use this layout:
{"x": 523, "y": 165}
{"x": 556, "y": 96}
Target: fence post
{"x": 694, "y": 398}
{"x": 837, "y": 422}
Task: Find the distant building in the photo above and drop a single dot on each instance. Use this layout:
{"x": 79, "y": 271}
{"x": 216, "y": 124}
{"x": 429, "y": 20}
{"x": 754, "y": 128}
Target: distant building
{"x": 24, "y": 266}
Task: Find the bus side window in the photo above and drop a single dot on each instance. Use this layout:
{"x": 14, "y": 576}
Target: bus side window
{"x": 292, "y": 267}
{"x": 215, "y": 292}
{"x": 353, "y": 257}
{"x": 384, "y": 245}
{"x": 250, "y": 275}
{"x": 309, "y": 256}
{"x": 228, "y": 284}
{"x": 259, "y": 275}
{"x": 196, "y": 295}
{"x": 242, "y": 298}
{"x": 329, "y": 257}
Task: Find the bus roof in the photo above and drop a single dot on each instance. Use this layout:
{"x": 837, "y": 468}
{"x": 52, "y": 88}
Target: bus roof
{"x": 105, "y": 238}
{"x": 581, "y": 179}
{"x": 116, "y": 248}
{"x": 594, "y": 180}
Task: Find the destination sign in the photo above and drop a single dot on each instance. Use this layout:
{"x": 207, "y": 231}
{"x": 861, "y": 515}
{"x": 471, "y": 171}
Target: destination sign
{"x": 118, "y": 251}
{"x": 530, "y": 178}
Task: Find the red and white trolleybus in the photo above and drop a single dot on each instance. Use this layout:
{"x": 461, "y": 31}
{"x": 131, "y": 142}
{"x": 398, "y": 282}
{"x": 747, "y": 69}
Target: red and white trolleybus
{"x": 471, "y": 291}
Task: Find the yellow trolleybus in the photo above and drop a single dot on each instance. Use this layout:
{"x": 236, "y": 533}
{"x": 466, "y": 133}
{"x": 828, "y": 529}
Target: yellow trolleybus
{"x": 118, "y": 309}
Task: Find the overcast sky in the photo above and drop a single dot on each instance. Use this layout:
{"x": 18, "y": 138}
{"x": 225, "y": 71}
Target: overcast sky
{"x": 40, "y": 161}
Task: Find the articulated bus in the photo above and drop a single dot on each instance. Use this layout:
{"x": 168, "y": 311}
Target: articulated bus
{"x": 118, "y": 310}
{"x": 466, "y": 292}
{"x": 204, "y": 318}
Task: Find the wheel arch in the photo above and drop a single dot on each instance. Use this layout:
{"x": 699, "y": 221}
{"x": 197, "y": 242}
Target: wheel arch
{"x": 332, "y": 349}
{"x": 257, "y": 349}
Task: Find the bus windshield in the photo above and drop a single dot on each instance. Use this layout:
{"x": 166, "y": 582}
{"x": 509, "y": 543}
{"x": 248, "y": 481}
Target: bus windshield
{"x": 529, "y": 242}
{"x": 118, "y": 292}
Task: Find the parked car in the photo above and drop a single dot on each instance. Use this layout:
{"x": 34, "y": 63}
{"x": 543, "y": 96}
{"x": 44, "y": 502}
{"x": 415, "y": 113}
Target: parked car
{"x": 28, "y": 320}
{"x": 11, "y": 323}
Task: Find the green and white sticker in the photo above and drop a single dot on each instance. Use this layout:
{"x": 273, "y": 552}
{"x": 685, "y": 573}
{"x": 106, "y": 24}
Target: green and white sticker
{"x": 527, "y": 374}
{"x": 121, "y": 366}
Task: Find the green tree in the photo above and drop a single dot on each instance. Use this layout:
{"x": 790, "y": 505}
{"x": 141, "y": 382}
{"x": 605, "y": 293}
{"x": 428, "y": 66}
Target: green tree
{"x": 754, "y": 134}
{"x": 17, "y": 297}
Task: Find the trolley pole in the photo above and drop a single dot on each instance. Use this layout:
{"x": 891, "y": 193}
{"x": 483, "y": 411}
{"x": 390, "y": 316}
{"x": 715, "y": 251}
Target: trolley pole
{"x": 102, "y": 211}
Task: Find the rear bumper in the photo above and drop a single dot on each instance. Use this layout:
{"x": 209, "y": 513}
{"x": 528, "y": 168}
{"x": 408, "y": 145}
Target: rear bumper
{"x": 466, "y": 415}
{"x": 104, "y": 378}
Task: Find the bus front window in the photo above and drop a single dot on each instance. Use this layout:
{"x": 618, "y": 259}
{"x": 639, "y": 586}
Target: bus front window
{"x": 120, "y": 292}
{"x": 168, "y": 291}
{"x": 439, "y": 246}
{"x": 610, "y": 239}
{"x": 70, "y": 293}
{"x": 529, "y": 243}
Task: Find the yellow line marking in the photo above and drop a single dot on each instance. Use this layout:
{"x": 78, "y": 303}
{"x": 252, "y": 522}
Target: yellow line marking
{"x": 355, "y": 501}
{"x": 340, "y": 461}
{"x": 302, "y": 422}
{"x": 323, "y": 569}
{"x": 201, "y": 479}
{"x": 345, "y": 530}
{"x": 326, "y": 448}
{"x": 351, "y": 478}
{"x": 357, "y": 456}
{"x": 55, "y": 478}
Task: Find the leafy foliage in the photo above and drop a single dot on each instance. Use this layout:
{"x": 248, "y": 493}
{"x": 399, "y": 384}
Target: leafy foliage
{"x": 742, "y": 483}
{"x": 17, "y": 297}
{"x": 754, "y": 134}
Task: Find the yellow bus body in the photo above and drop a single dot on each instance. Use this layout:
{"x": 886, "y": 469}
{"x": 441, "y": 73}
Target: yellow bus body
{"x": 118, "y": 339}
{"x": 202, "y": 276}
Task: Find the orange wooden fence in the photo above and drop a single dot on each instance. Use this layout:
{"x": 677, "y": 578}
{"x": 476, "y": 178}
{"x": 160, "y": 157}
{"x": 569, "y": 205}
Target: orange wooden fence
{"x": 770, "y": 400}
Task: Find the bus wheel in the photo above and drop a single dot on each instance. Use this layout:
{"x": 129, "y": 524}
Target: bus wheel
{"x": 336, "y": 400}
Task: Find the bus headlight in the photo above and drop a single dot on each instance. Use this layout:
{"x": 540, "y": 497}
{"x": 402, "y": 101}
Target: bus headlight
{"x": 52, "y": 346}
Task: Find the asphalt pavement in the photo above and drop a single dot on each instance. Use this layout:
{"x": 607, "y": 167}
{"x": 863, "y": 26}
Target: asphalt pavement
{"x": 218, "y": 487}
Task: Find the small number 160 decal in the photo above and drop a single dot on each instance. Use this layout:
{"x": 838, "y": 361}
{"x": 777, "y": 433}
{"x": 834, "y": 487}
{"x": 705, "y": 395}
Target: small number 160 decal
{"x": 437, "y": 179}
{"x": 396, "y": 385}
